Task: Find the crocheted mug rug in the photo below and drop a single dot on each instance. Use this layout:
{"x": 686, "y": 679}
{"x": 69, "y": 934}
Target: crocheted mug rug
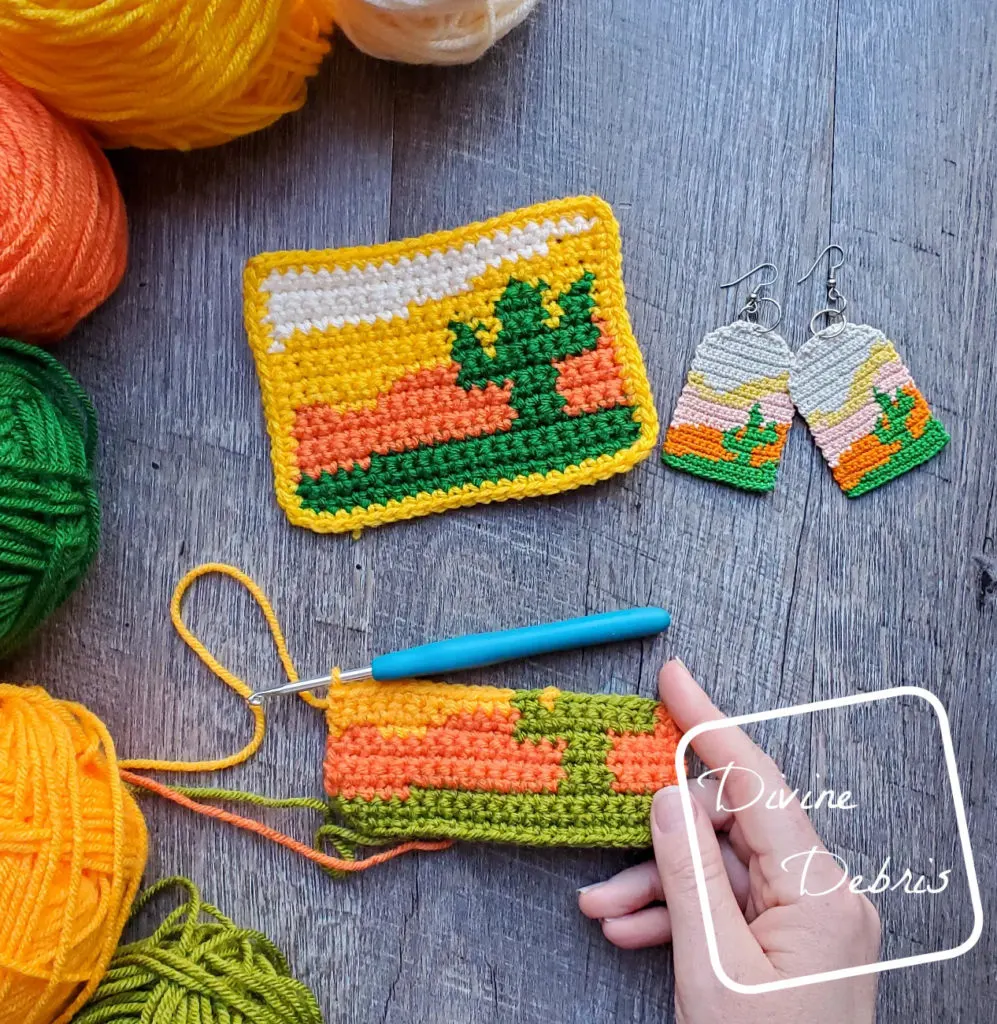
{"x": 491, "y": 362}
{"x": 431, "y": 760}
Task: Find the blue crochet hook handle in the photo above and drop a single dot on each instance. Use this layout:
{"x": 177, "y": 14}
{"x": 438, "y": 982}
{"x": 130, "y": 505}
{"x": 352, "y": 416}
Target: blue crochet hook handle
{"x": 480, "y": 649}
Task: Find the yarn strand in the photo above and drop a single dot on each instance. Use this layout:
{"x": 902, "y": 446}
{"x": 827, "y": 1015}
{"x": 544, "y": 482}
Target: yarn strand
{"x": 187, "y": 798}
{"x": 325, "y": 860}
{"x": 230, "y": 679}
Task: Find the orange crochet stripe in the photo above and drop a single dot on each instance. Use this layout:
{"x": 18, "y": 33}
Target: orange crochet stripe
{"x": 471, "y": 752}
{"x": 425, "y": 407}
{"x": 591, "y": 381}
{"x": 645, "y": 762}
{"x": 696, "y": 439}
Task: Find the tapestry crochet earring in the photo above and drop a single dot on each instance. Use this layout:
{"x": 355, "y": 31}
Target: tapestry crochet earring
{"x": 869, "y": 420}
{"x": 733, "y": 415}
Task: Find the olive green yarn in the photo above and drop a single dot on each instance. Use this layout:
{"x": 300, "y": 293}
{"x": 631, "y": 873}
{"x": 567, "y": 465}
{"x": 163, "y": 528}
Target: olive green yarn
{"x": 194, "y": 971}
{"x": 49, "y": 514}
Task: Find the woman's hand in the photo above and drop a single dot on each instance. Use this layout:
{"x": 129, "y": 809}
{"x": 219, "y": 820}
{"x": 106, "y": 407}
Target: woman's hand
{"x": 766, "y": 929}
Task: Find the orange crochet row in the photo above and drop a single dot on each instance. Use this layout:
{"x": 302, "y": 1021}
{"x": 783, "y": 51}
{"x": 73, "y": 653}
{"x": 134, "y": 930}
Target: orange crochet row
{"x": 430, "y": 407}
{"x": 479, "y": 751}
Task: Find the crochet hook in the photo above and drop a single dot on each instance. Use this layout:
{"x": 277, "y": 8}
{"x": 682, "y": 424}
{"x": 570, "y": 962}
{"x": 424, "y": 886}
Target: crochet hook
{"x": 480, "y": 649}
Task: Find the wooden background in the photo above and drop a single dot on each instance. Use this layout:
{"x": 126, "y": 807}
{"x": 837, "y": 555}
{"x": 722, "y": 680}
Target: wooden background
{"x": 723, "y": 134}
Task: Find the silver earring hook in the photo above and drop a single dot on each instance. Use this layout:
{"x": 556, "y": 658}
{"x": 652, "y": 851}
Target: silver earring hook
{"x": 749, "y": 311}
{"x": 836, "y": 302}
{"x": 754, "y": 270}
{"x": 832, "y": 268}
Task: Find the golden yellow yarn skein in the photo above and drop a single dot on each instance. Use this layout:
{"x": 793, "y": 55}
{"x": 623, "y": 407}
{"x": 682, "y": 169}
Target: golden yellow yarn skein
{"x": 72, "y": 851}
{"x": 166, "y": 74}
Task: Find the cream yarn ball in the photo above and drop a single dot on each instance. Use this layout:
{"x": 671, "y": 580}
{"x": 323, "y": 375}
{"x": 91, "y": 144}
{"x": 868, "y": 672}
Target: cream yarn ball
{"x": 428, "y": 31}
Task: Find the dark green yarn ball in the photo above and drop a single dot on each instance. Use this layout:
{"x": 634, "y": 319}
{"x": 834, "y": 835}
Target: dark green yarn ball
{"x": 49, "y": 514}
{"x": 198, "y": 967}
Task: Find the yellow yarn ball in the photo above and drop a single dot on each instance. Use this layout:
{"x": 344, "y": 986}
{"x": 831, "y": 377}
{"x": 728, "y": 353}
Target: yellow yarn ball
{"x": 166, "y": 74}
{"x": 72, "y": 851}
{"x": 428, "y": 31}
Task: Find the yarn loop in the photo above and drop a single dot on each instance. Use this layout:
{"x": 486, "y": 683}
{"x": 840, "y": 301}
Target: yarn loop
{"x": 199, "y": 967}
{"x": 49, "y": 513}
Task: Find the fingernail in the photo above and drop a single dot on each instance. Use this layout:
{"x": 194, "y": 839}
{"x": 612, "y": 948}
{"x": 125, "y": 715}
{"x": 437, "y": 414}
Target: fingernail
{"x": 589, "y": 888}
{"x": 681, "y": 663}
{"x": 609, "y": 920}
{"x": 667, "y": 810}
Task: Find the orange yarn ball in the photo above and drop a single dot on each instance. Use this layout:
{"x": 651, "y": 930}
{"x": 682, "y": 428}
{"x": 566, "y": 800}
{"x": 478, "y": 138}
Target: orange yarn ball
{"x": 72, "y": 851}
{"x": 63, "y": 235}
{"x": 166, "y": 74}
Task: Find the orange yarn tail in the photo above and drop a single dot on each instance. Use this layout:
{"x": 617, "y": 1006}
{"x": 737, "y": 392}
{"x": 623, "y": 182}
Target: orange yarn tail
{"x": 128, "y": 767}
{"x": 251, "y": 825}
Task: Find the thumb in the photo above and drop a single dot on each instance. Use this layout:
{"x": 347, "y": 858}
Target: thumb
{"x": 676, "y": 861}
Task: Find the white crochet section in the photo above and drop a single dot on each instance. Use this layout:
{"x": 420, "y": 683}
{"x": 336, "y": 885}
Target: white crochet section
{"x": 304, "y": 300}
{"x": 739, "y": 353}
{"x": 825, "y": 367}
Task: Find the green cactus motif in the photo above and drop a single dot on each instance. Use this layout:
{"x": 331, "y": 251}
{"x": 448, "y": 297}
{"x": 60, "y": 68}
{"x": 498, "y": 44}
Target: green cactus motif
{"x": 892, "y": 425}
{"x": 527, "y": 347}
{"x": 742, "y": 441}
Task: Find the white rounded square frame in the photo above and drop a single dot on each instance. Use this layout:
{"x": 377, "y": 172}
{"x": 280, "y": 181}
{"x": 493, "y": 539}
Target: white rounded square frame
{"x": 960, "y": 814}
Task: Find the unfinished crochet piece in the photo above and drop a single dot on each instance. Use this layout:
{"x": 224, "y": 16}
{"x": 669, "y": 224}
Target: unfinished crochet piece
{"x": 867, "y": 417}
{"x": 732, "y": 418}
{"x": 414, "y": 765}
{"x": 491, "y": 362}
{"x": 427, "y": 760}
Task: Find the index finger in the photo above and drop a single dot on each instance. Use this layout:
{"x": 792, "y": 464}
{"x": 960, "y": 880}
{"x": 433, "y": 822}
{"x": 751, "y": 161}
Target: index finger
{"x": 754, "y": 778}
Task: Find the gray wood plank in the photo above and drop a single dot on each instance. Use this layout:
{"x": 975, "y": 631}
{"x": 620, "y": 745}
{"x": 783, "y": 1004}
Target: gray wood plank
{"x": 722, "y": 135}
{"x": 897, "y": 599}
